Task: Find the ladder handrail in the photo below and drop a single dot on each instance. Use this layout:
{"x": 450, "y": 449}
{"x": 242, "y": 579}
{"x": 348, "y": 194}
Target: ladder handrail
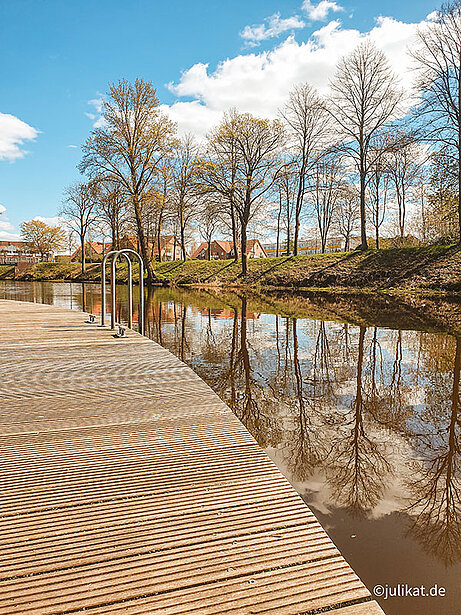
{"x": 114, "y": 255}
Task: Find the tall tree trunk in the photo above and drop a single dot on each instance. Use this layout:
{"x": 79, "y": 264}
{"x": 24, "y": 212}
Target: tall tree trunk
{"x": 401, "y": 205}
{"x": 295, "y": 242}
{"x": 459, "y": 183}
{"x": 159, "y": 247}
{"x": 298, "y": 207}
{"x": 183, "y": 244}
{"x": 278, "y": 224}
{"x": 288, "y": 223}
{"x": 159, "y": 235}
{"x": 182, "y": 231}
{"x": 363, "y": 215}
{"x": 82, "y": 247}
{"x": 244, "y": 250}
{"x": 288, "y": 237}
{"x": 459, "y": 143}
{"x": 234, "y": 231}
{"x": 142, "y": 241}
{"x": 114, "y": 237}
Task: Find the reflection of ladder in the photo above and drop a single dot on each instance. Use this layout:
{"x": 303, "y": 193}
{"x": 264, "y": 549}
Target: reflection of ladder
{"x": 114, "y": 256}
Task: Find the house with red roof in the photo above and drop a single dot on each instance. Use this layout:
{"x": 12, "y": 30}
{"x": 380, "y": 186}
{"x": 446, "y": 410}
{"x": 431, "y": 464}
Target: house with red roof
{"x": 222, "y": 250}
{"x": 14, "y": 252}
{"x": 168, "y": 249}
{"x": 93, "y": 250}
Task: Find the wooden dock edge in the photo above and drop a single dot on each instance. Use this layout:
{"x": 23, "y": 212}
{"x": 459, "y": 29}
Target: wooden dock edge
{"x": 129, "y": 487}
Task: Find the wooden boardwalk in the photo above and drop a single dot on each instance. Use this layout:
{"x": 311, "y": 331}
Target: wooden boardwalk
{"x": 129, "y": 488}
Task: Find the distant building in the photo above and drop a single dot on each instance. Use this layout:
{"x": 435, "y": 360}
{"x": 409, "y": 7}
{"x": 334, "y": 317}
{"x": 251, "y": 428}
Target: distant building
{"x": 311, "y": 246}
{"x": 15, "y": 252}
{"x": 93, "y": 250}
{"x": 14, "y": 247}
{"x": 170, "y": 247}
{"x": 222, "y": 250}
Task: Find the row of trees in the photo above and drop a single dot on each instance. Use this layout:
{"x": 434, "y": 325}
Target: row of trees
{"x": 343, "y": 161}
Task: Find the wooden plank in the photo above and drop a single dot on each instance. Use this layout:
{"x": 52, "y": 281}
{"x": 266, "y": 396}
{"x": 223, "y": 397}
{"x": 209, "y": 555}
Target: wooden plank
{"x": 129, "y": 488}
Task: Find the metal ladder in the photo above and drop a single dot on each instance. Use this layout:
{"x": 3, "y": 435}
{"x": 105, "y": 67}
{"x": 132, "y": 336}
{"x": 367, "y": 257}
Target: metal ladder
{"x": 114, "y": 256}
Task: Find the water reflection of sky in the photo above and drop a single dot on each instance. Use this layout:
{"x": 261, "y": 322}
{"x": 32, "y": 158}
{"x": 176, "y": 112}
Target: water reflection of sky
{"x": 363, "y": 420}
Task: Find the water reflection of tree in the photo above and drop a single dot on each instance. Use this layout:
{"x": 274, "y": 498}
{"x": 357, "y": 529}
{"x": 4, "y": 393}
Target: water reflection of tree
{"x": 249, "y": 396}
{"x": 356, "y": 466}
{"x": 306, "y": 449}
{"x": 387, "y": 391}
{"x": 437, "y": 488}
{"x": 322, "y": 380}
{"x": 337, "y": 399}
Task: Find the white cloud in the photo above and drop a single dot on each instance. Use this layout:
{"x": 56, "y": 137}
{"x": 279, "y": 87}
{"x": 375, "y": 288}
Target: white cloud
{"x": 5, "y": 236}
{"x": 319, "y": 12}
{"x": 192, "y": 117}
{"x": 13, "y": 133}
{"x": 72, "y": 146}
{"x": 273, "y": 27}
{"x": 6, "y": 227}
{"x": 260, "y": 82}
{"x": 97, "y": 103}
{"x": 53, "y": 221}
{"x": 95, "y": 116}
{"x": 432, "y": 16}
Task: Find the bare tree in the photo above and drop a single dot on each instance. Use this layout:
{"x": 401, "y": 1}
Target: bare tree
{"x": 364, "y": 99}
{"x": 379, "y": 190}
{"x": 218, "y": 170}
{"x": 258, "y": 143}
{"x": 438, "y": 61}
{"x": 347, "y": 213}
{"x": 112, "y": 209}
{"x": 209, "y": 222}
{"x": 164, "y": 205}
{"x": 420, "y": 193}
{"x": 287, "y": 189}
{"x": 243, "y": 166}
{"x": 405, "y": 163}
{"x": 186, "y": 196}
{"x": 325, "y": 188}
{"x": 442, "y": 218}
{"x": 307, "y": 123}
{"x": 129, "y": 146}
{"x": 80, "y": 209}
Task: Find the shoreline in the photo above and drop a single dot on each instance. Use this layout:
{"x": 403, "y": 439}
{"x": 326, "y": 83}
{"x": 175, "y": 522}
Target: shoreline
{"x": 344, "y": 290}
{"x": 427, "y": 271}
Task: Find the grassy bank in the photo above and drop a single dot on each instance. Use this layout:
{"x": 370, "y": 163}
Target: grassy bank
{"x": 431, "y": 270}
{"x": 6, "y": 272}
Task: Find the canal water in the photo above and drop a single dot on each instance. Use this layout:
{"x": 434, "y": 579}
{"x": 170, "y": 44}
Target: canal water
{"x": 356, "y": 400}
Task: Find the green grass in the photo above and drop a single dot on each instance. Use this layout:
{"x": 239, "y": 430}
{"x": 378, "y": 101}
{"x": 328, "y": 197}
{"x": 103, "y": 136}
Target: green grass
{"x": 431, "y": 270}
{"x": 6, "y": 272}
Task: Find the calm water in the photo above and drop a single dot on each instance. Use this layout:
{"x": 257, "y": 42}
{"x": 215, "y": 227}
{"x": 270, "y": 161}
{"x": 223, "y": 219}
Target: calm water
{"x": 363, "y": 419}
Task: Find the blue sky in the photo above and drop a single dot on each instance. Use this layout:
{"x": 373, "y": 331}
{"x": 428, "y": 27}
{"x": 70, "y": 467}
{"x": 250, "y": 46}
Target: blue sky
{"x": 56, "y": 56}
